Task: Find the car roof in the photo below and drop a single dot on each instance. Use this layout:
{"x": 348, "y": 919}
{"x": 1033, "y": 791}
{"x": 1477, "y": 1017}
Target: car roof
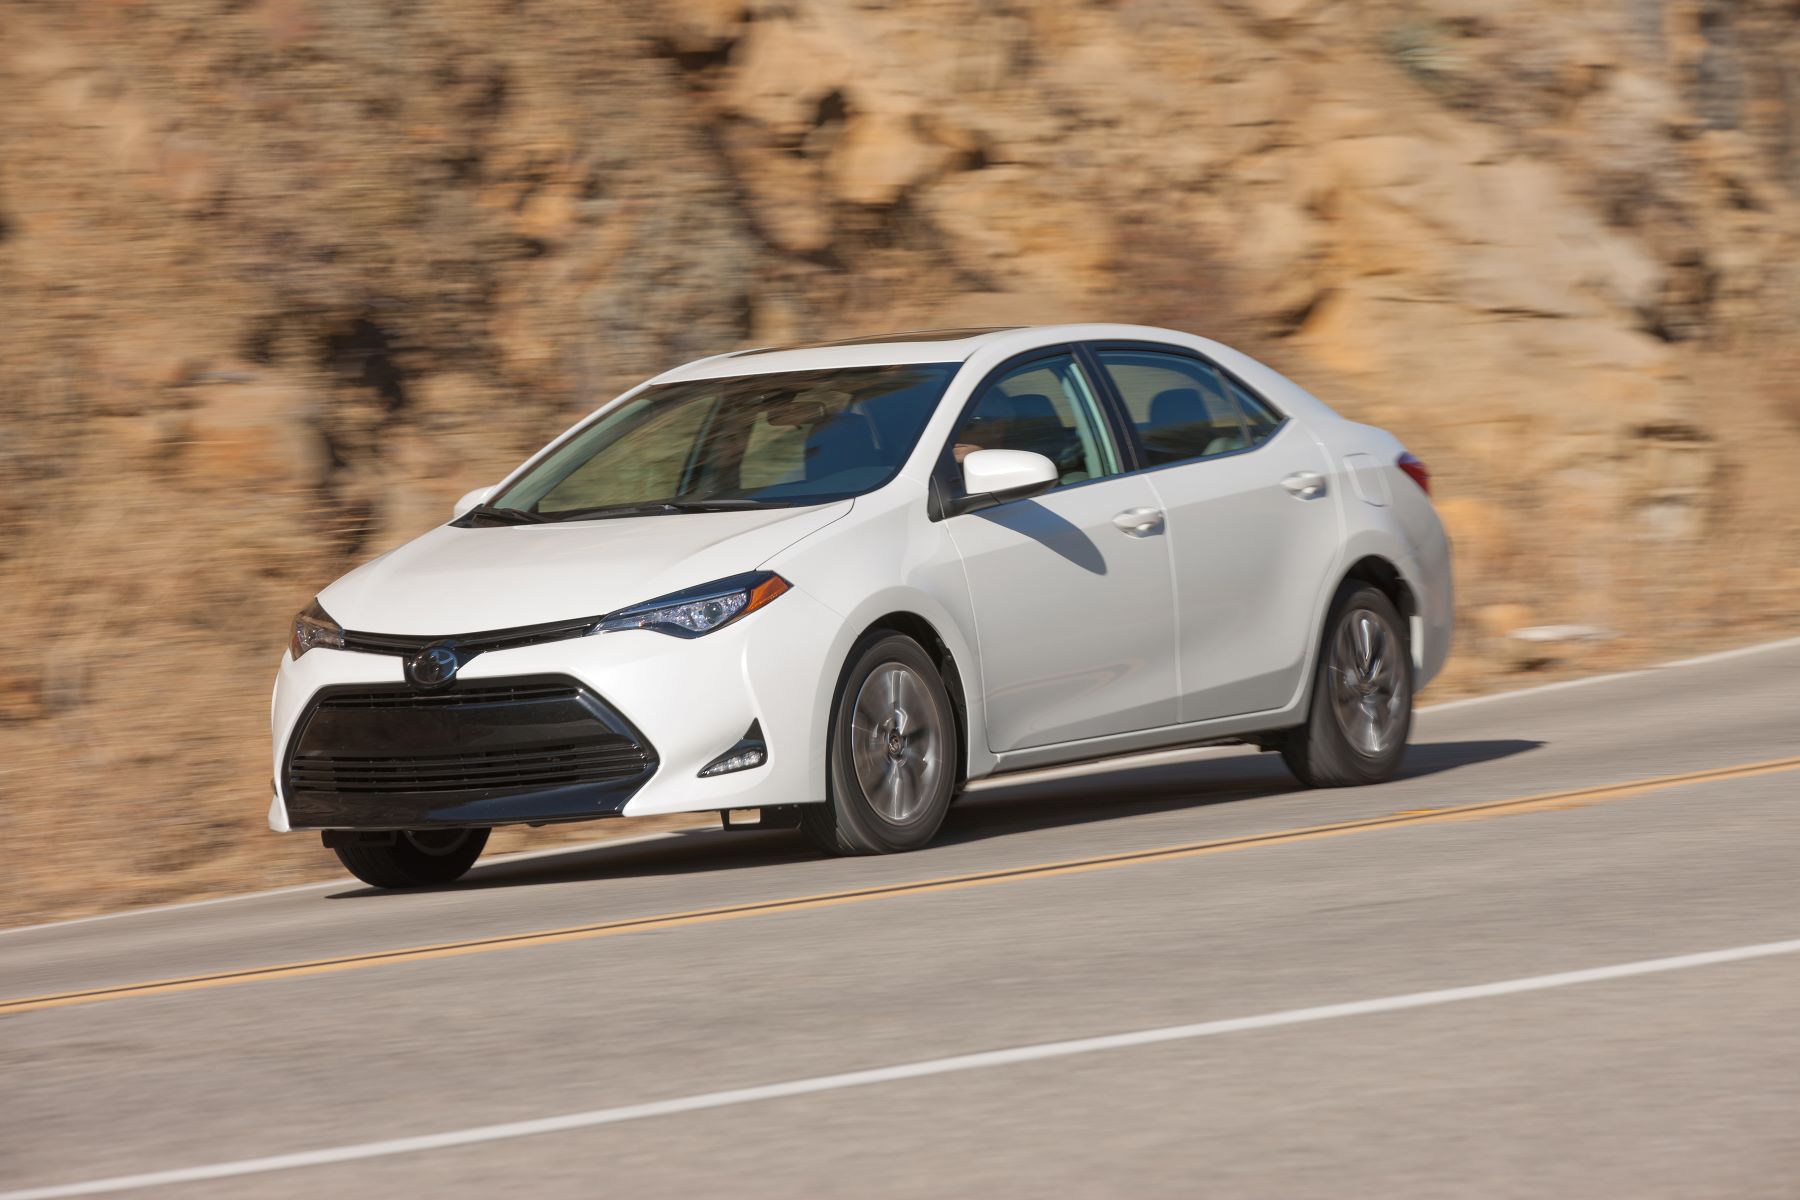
{"x": 884, "y": 339}
{"x": 918, "y": 346}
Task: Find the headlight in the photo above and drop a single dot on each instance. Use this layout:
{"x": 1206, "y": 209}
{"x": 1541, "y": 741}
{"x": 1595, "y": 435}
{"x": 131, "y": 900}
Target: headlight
{"x": 314, "y": 627}
{"x": 699, "y": 610}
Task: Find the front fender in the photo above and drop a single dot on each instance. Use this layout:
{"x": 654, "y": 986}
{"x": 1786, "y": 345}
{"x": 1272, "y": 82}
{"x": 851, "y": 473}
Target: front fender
{"x": 886, "y": 558}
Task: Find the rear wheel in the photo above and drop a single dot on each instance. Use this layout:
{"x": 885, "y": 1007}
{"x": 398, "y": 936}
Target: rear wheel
{"x": 415, "y": 858}
{"x": 892, "y": 761}
{"x": 1362, "y": 696}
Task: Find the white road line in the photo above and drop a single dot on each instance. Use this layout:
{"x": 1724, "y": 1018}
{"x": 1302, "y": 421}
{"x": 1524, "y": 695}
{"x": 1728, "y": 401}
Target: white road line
{"x": 1739, "y": 652}
{"x": 915, "y": 1070}
{"x": 1561, "y": 685}
{"x": 1036, "y": 775}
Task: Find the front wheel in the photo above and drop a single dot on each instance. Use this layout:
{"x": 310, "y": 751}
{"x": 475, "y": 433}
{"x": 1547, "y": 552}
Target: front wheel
{"x": 892, "y": 762}
{"x": 1361, "y": 710}
{"x": 415, "y": 858}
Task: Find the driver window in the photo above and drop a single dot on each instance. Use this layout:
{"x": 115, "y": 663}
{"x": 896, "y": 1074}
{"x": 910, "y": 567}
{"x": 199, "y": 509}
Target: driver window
{"x": 1045, "y": 407}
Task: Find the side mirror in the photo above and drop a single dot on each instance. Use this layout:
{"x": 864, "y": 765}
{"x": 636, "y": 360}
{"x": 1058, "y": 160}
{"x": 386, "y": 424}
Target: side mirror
{"x": 1007, "y": 474}
{"x": 470, "y": 500}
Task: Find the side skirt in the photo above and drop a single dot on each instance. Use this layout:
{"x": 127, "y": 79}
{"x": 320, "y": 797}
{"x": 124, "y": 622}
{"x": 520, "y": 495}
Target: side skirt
{"x": 1248, "y": 727}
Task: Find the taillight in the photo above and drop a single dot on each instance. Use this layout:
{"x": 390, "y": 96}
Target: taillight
{"x": 1416, "y": 471}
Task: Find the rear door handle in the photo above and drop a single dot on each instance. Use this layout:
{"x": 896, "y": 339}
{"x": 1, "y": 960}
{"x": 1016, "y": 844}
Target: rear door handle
{"x": 1140, "y": 522}
{"x": 1306, "y": 485}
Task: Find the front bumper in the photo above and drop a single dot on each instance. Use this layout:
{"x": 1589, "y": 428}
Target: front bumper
{"x": 352, "y": 742}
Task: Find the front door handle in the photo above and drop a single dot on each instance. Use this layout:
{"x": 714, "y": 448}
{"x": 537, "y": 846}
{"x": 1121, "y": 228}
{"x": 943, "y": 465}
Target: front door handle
{"x": 1140, "y": 522}
{"x": 1306, "y": 485}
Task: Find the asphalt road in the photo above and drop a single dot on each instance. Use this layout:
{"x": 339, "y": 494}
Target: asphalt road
{"x": 1277, "y": 959}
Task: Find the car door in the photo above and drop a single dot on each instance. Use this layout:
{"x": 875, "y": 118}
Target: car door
{"x": 1252, "y": 528}
{"x": 1071, "y": 588}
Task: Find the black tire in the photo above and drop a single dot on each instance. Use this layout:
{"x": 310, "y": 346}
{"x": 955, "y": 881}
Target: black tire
{"x": 1337, "y": 750}
{"x": 907, "y": 814}
{"x": 425, "y": 858}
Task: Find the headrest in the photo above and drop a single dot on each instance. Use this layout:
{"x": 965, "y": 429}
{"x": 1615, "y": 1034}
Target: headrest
{"x": 843, "y": 443}
{"x": 1033, "y": 406}
{"x": 1179, "y": 406}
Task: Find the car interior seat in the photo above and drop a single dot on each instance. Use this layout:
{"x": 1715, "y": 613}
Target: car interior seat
{"x": 1181, "y": 425}
{"x": 845, "y": 442}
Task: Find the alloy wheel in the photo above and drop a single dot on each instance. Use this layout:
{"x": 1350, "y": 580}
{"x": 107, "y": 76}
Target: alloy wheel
{"x": 1366, "y": 692}
{"x": 896, "y": 747}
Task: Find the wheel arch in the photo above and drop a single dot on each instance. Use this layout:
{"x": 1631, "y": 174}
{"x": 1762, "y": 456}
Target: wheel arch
{"x": 1385, "y": 576}
{"x": 1377, "y": 569}
{"x": 1307, "y": 749}
{"x": 922, "y": 631}
{"x": 1381, "y": 574}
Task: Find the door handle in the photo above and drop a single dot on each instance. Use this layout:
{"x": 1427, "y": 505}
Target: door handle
{"x": 1305, "y": 485}
{"x": 1139, "y": 522}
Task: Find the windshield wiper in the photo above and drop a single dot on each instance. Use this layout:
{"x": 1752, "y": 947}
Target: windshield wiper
{"x": 655, "y": 508}
{"x": 504, "y": 516}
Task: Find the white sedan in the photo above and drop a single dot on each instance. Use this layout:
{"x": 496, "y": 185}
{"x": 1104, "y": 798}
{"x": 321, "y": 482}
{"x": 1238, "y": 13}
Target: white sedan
{"x": 835, "y": 582}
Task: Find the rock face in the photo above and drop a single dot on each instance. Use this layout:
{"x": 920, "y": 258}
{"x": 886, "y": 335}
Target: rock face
{"x": 280, "y": 280}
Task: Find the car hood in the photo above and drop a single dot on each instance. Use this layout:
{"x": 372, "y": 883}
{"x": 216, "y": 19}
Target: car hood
{"x": 455, "y": 581}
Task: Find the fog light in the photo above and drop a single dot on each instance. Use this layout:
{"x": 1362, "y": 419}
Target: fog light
{"x": 749, "y": 752}
{"x": 754, "y": 757}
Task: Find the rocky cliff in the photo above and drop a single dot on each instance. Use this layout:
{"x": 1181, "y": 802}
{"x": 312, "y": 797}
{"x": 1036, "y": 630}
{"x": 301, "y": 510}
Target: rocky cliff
{"x": 279, "y": 279}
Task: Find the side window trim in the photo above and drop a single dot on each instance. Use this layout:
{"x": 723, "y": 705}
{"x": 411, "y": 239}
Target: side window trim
{"x": 946, "y": 480}
{"x": 1116, "y": 402}
{"x": 1118, "y": 418}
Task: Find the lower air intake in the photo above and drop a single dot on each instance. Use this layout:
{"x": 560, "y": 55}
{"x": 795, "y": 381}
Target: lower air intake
{"x": 482, "y": 752}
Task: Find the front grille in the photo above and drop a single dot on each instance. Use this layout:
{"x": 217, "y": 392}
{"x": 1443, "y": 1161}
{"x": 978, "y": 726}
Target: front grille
{"x": 487, "y": 751}
{"x": 477, "y": 694}
{"x": 551, "y": 766}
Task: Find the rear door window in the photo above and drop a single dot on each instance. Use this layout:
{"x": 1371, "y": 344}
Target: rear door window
{"x": 1184, "y": 409}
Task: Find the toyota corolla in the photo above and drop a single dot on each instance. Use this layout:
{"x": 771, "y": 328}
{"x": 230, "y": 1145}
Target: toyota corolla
{"x": 836, "y": 582}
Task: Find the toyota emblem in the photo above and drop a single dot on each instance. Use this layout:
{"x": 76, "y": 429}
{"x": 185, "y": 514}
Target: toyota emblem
{"x": 434, "y": 666}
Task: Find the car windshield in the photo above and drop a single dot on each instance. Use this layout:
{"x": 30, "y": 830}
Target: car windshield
{"x": 751, "y": 441}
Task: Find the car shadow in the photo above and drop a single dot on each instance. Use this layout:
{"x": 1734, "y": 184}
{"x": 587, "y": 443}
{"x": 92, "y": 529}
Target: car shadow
{"x": 1051, "y": 530}
{"x": 1166, "y": 787}
{"x": 996, "y": 811}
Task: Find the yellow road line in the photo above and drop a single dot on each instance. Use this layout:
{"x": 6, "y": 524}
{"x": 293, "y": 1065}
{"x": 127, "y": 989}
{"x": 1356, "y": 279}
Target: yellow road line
{"x": 733, "y": 912}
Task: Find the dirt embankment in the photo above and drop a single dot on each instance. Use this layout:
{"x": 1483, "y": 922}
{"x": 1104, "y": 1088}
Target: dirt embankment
{"x": 280, "y": 279}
